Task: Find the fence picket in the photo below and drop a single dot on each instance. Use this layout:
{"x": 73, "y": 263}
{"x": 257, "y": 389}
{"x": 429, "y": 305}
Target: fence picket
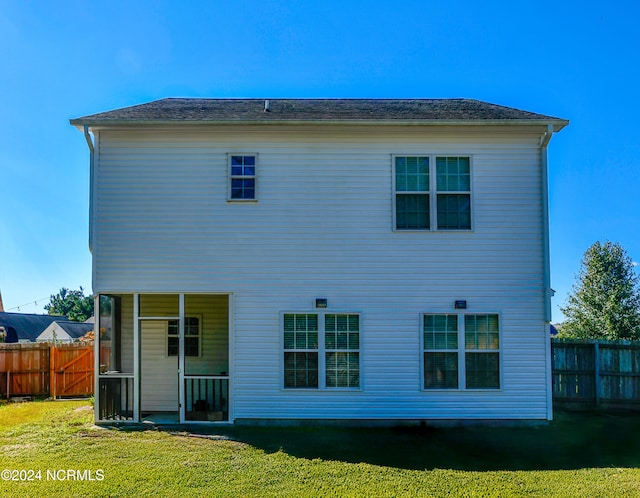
{"x": 596, "y": 373}
{"x": 41, "y": 369}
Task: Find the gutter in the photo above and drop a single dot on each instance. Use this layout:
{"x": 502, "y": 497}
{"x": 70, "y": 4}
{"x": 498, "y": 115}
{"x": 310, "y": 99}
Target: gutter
{"x": 544, "y": 142}
{"x": 87, "y": 137}
{"x": 556, "y": 124}
{"x": 548, "y": 291}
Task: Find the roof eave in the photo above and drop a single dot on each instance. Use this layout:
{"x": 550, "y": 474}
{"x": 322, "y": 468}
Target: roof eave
{"x": 558, "y": 124}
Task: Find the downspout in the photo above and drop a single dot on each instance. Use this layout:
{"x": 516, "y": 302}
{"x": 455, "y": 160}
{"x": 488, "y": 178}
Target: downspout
{"x": 544, "y": 142}
{"x": 546, "y": 258}
{"x": 87, "y": 137}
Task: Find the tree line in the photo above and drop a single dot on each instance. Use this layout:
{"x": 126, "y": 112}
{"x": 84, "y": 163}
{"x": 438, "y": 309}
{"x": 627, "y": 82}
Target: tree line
{"x": 605, "y": 299}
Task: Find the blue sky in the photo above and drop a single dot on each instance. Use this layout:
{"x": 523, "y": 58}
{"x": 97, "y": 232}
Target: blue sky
{"x": 60, "y": 60}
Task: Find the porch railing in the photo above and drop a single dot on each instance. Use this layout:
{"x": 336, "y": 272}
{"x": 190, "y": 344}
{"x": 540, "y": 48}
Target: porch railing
{"x": 115, "y": 397}
{"x": 206, "y": 398}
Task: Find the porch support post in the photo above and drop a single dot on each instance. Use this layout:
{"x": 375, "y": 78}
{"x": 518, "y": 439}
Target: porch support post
{"x": 136, "y": 358}
{"x": 231, "y": 355}
{"x": 181, "y": 397}
{"x": 97, "y": 395}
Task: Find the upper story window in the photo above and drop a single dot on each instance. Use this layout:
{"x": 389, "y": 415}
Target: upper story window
{"x": 424, "y": 204}
{"x": 242, "y": 177}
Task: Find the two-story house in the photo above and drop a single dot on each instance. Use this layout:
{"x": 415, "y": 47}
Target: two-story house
{"x": 320, "y": 259}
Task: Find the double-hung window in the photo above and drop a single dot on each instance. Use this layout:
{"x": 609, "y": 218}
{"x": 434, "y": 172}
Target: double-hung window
{"x": 321, "y": 350}
{"x": 242, "y": 177}
{"x": 301, "y": 350}
{"x": 422, "y": 203}
{"x": 461, "y": 351}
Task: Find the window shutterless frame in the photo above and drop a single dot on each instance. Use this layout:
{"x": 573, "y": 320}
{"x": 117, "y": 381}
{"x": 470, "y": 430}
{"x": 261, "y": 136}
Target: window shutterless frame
{"x": 438, "y": 198}
{"x": 333, "y": 346}
{"x": 242, "y": 174}
{"x": 173, "y": 335}
{"x": 477, "y": 343}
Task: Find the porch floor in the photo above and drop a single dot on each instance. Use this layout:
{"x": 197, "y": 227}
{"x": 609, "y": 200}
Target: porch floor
{"x": 161, "y": 418}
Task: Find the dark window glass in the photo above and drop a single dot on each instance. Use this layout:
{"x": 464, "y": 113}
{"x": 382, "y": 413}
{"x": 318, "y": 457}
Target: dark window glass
{"x": 482, "y": 370}
{"x": 454, "y": 212}
{"x": 412, "y": 212}
{"x": 441, "y": 370}
{"x": 243, "y": 182}
{"x": 191, "y": 339}
{"x": 300, "y": 370}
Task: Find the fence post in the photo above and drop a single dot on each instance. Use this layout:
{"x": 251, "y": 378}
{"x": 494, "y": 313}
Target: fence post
{"x": 8, "y": 382}
{"x": 596, "y": 370}
{"x": 52, "y": 372}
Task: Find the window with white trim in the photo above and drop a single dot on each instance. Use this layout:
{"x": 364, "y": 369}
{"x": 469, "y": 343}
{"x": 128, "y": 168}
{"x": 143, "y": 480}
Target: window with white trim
{"x": 191, "y": 337}
{"x": 321, "y": 350}
{"x": 342, "y": 350}
{"x": 424, "y": 204}
{"x": 242, "y": 177}
{"x": 461, "y": 350}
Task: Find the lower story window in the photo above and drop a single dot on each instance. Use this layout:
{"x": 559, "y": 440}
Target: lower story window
{"x": 301, "y": 350}
{"x": 191, "y": 337}
{"x": 461, "y": 350}
{"x": 321, "y": 350}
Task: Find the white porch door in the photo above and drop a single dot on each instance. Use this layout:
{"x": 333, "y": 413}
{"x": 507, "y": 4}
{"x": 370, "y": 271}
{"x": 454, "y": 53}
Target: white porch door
{"x": 159, "y": 372}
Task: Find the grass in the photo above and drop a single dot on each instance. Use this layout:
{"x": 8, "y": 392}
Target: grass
{"x": 576, "y": 455}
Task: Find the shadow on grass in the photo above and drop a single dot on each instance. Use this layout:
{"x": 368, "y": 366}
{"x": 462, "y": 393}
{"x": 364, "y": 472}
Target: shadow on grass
{"x": 571, "y": 441}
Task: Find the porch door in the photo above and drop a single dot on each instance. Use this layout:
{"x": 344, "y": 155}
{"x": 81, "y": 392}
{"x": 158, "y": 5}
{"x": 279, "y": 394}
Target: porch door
{"x": 159, "y": 368}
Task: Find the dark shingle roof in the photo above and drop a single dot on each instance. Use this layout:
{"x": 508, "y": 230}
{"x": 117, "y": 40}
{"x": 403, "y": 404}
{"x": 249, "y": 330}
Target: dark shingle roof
{"x": 75, "y": 329}
{"x": 27, "y": 326}
{"x": 427, "y": 111}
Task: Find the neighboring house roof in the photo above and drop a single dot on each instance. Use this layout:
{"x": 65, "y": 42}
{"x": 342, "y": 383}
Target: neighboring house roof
{"x": 360, "y": 111}
{"x": 70, "y": 330}
{"x": 75, "y": 329}
{"x": 27, "y": 326}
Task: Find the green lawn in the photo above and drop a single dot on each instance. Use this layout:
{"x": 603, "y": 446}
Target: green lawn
{"x": 576, "y": 455}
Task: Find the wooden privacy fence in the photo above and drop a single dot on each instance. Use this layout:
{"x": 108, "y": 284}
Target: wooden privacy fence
{"x": 41, "y": 369}
{"x": 595, "y": 374}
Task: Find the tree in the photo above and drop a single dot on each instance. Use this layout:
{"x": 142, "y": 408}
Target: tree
{"x": 605, "y": 303}
{"x": 71, "y": 303}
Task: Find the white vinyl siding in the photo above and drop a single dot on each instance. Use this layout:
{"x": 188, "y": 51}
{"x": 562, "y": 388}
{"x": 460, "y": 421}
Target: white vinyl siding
{"x": 322, "y": 230}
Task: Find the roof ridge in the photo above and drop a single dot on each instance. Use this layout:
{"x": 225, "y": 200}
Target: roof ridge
{"x": 33, "y": 314}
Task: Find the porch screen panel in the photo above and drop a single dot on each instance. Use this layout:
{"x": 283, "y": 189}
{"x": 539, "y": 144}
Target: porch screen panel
{"x": 159, "y": 305}
{"x": 206, "y": 338}
{"x": 109, "y": 334}
{"x": 206, "y": 357}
